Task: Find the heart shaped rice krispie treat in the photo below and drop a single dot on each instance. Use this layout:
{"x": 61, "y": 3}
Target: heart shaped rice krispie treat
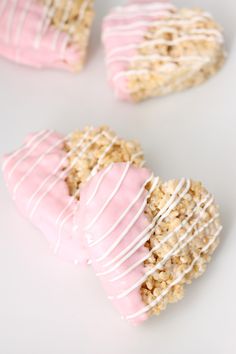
{"x": 46, "y": 33}
{"x": 153, "y": 48}
{"x": 146, "y": 239}
{"x": 44, "y": 178}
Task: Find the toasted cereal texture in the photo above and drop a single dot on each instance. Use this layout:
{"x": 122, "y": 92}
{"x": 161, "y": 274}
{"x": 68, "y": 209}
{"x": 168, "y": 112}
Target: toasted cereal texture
{"x": 190, "y": 51}
{"x": 75, "y": 18}
{"x": 192, "y": 225}
{"x": 98, "y": 148}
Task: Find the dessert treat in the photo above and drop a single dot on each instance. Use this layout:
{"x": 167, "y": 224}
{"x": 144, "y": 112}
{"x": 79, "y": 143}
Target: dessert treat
{"x": 153, "y": 48}
{"x": 146, "y": 239}
{"x": 46, "y": 33}
{"x": 44, "y": 178}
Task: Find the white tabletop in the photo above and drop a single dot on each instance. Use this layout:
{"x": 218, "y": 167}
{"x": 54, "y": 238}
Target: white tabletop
{"x": 47, "y": 306}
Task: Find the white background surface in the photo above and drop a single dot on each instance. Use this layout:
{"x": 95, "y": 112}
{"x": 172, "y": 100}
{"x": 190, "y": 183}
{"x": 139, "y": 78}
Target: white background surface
{"x": 47, "y": 306}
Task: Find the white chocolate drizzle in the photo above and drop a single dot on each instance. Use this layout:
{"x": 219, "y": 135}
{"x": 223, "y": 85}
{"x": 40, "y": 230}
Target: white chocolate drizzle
{"x": 118, "y": 221}
{"x": 42, "y": 136}
{"x": 49, "y": 12}
{"x": 117, "y": 187}
{"x": 116, "y": 30}
{"x": 36, "y": 163}
{"x": 156, "y": 248}
{"x": 24, "y": 147}
{"x": 10, "y": 19}
{"x": 22, "y": 19}
{"x": 176, "y": 281}
{"x": 134, "y": 23}
{"x": 140, "y": 240}
{"x": 116, "y": 268}
{"x": 167, "y": 256}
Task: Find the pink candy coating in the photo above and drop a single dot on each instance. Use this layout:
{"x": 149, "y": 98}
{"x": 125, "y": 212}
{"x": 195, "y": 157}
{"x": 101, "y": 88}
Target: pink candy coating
{"x": 27, "y": 37}
{"x": 36, "y": 181}
{"x": 118, "y": 190}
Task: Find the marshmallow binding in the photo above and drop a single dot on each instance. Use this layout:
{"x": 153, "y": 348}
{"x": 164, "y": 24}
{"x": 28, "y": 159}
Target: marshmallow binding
{"x": 44, "y": 178}
{"x": 146, "y": 239}
{"x": 46, "y": 33}
{"x": 153, "y": 48}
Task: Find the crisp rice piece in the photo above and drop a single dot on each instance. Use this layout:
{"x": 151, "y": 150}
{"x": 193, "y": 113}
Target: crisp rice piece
{"x": 46, "y": 33}
{"x": 153, "y": 49}
{"x": 147, "y": 239}
{"x": 44, "y": 178}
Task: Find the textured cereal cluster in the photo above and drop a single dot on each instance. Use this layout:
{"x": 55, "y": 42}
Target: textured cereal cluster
{"x": 204, "y": 222}
{"x": 76, "y": 22}
{"x": 98, "y": 148}
{"x": 179, "y": 72}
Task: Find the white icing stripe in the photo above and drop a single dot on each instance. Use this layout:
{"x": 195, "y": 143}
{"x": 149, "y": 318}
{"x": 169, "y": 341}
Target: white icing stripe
{"x": 156, "y": 248}
{"x": 41, "y": 24}
{"x": 58, "y": 242}
{"x": 37, "y": 162}
{"x": 192, "y": 72}
{"x": 83, "y": 9}
{"x": 22, "y": 20}
{"x": 184, "y": 236}
{"x": 64, "y": 18}
{"x": 75, "y": 196}
{"x": 142, "y": 164}
{"x": 141, "y": 239}
{"x": 136, "y": 155}
{"x": 133, "y": 247}
{"x": 142, "y": 7}
{"x": 125, "y": 212}
{"x": 174, "y": 203}
{"x": 100, "y": 180}
{"x": 129, "y": 16}
{"x": 201, "y": 229}
{"x": 121, "y": 74}
{"x": 133, "y": 157}
{"x": 3, "y": 6}
{"x": 198, "y": 37}
{"x": 64, "y": 45}
{"x": 42, "y": 136}
{"x": 48, "y": 19}
{"x": 81, "y": 16}
{"x": 87, "y": 146}
{"x": 141, "y": 72}
{"x": 17, "y": 152}
{"x": 165, "y": 30}
{"x": 129, "y": 73}
{"x": 108, "y": 148}
{"x": 161, "y": 30}
{"x": 61, "y": 175}
{"x": 117, "y": 187}
{"x": 167, "y": 256}
{"x": 148, "y": 24}
{"x": 176, "y": 281}
{"x": 155, "y": 57}
{"x": 145, "y": 233}
{"x": 75, "y": 226}
{"x": 10, "y": 20}
{"x": 130, "y": 225}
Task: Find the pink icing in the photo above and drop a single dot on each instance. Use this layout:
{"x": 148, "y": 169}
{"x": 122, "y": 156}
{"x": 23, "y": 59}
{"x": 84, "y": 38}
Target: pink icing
{"x": 113, "y": 41}
{"x": 118, "y": 189}
{"x": 35, "y": 171}
{"x": 21, "y": 39}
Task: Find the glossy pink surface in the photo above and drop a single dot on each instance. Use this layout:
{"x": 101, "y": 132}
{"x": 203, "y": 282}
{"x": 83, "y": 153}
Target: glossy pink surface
{"x": 37, "y": 184}
{"x": 118, "y": 190}
{"x": 114, "y": 39}
{"x": 27, "y": 37}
